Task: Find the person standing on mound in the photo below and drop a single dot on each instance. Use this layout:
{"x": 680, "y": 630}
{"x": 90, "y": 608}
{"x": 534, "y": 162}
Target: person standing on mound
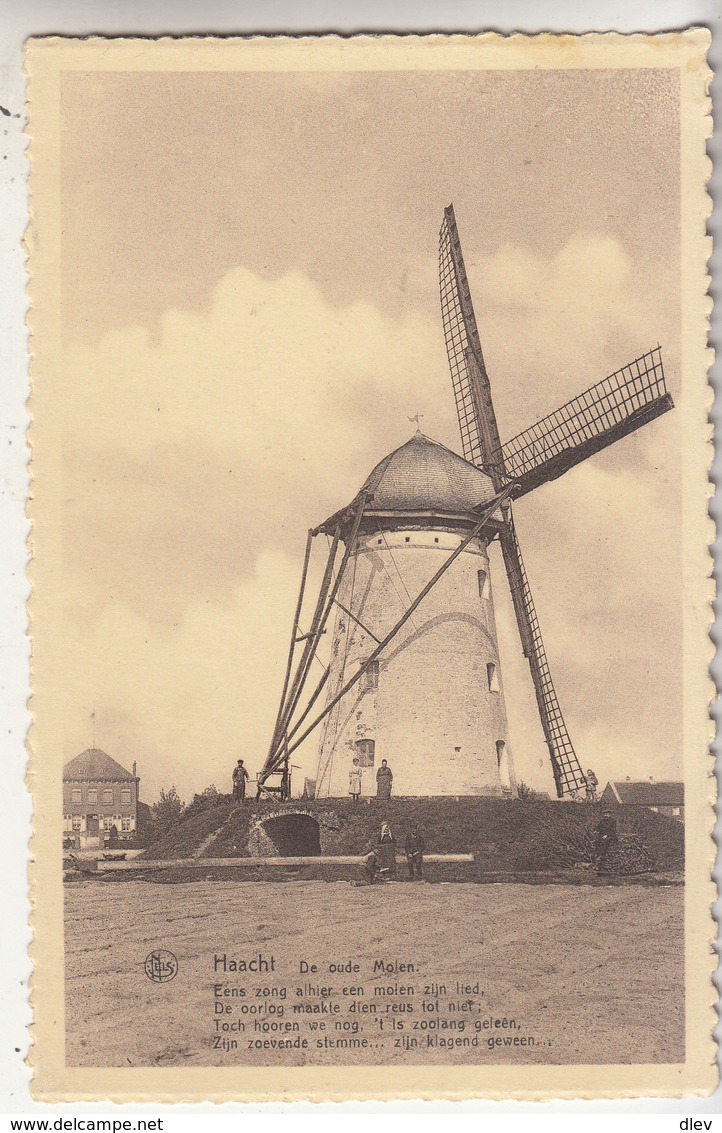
{"x": 354, "y": 781}
{"x": 591, "y": 784}
{"x": 240, "y": 777}
{"x": 384, "y": 779}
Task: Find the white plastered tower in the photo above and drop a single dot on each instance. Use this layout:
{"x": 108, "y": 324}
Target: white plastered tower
{"x": 433, "y": 703}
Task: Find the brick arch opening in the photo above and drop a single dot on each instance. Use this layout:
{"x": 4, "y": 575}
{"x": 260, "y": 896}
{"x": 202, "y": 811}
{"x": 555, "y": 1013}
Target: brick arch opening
{"x": 287, "y": 835}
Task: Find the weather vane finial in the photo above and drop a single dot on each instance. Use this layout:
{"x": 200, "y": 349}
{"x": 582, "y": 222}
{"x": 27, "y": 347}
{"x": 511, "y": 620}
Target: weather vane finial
{"x": 417, "y": 418}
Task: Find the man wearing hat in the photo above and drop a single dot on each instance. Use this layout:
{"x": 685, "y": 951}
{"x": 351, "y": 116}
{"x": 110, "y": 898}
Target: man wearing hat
{"x": 240, "y": 776}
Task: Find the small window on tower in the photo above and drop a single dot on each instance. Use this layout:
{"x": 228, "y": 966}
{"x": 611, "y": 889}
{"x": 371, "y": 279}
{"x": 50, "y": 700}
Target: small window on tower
{"x": 492, "y": 677}
{"x": 483, "y": 584}
{"x": 370, "y": 679}
{"x": 502, "y": 760}
{"x": 365, "y": 752}
{"x": 436, "y": 539}
{"x": 407, "y": 539}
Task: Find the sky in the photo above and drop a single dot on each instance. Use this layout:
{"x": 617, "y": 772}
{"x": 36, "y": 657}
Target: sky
{"x": 250, "y": 292}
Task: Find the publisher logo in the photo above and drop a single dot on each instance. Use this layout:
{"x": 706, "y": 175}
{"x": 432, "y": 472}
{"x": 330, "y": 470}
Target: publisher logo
{"x": 161, "y": 966}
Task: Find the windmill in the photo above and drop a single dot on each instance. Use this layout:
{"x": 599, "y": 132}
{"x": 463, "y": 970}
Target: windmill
{"x": 608, "y": 411}
{"x": 429, "y": 515}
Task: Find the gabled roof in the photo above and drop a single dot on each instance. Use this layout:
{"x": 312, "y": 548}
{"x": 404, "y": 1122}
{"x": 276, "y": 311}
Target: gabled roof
{"x": 96, "y": 764}
{"x": 646, "y": 793}
{"x": 144, "y": 812}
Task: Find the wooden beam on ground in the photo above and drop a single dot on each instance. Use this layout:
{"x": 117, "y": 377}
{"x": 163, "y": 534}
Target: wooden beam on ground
{"x": 243, "y": 863}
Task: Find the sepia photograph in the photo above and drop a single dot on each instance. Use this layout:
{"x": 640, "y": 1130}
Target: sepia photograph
{"x": 369, "y": 413}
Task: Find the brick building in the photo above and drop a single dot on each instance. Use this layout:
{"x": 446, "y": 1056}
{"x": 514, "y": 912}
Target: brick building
{"x": 100, "y": 799}
{"x": 662, "y": 798}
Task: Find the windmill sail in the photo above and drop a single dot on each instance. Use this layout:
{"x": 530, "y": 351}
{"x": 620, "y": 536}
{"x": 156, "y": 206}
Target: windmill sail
{"x": 568, "y": 775}
{"x": 482, "y": 446}
{"x": 480, "y": 439}
{"x": 614, "y": 407}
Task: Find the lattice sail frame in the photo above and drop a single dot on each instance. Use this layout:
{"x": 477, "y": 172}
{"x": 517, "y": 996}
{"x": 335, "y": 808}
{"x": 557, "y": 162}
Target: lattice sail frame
{"x": 614, "y": 407}
{"x": 481, "y": 446}
{"x": 480, "y": 440}
{"x": 568, "y": 774}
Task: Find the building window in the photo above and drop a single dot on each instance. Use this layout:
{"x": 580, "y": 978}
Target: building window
{"x": 407, "y": 539}
{"x": 675, "y": 811}
{"x": 125, "y": 824}
{"x": 107, "y": 794}
{"x": 492, "y": 677}
{"x": 107, "y": 822}
{"x": 365, "y": 752}
{"x": 370, "y": 678}
{"x": 77, "y": 823}
{"x": 77, "y": 795}
{"x": 92, "y": 794}
{"x": 125, "y": 796}
{"x": 502, "y": 760}
{"x": 483, "y": 578}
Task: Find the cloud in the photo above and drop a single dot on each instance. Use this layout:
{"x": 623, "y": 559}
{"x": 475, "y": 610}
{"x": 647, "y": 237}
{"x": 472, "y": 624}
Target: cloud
{"x": 240, "y": 426}
{"x": 552, "y": 328}
{"x": 602, "y": 552}
{"x": 188, "y": 701}
{"x": 195, "y": 460}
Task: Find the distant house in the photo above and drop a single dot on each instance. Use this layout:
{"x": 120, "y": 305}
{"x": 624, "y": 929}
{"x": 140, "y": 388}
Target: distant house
{"x": 100, "y": 800}
{"x": 662, "y": 798}
{"x": 144, "y": 821}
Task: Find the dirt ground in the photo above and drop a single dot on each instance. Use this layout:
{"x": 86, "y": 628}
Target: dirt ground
{"x": 544, "y": 974}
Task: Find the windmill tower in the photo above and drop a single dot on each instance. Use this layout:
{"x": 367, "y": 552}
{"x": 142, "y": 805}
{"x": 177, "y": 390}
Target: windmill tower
{"x": 432, "y": 704}
{"x": 414, "y": 674}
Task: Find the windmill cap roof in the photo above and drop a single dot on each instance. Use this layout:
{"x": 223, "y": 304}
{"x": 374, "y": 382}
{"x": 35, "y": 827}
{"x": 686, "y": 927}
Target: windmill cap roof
{"x": 425, "y": 476}
{"x": 95, "y": 764}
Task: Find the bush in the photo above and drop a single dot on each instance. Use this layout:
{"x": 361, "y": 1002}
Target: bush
{"x": 167, "y": 811}
{"x": 208, "y": 798}
{"x": 525, "y": 792}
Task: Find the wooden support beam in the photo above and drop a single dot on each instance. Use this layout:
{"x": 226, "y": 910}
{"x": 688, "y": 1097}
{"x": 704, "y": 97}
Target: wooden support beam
{"x": 358, "y": 621}
{"x": 488, "y": 510}
{"x": 251, "y": 863}
{"x": 294, "y": 631}
{"x": 350, "y": 546}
